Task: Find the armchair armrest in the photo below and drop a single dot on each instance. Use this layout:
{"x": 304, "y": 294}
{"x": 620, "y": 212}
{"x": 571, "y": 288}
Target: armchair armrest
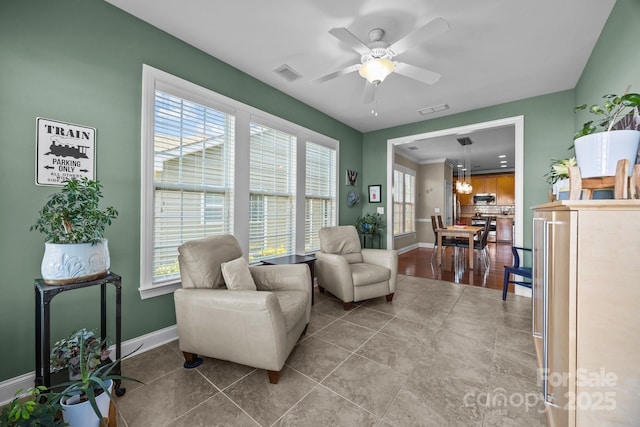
{"x": 386, "y": 258}
{"x": 291, "y": 277}
{"x": 334, "y": 274}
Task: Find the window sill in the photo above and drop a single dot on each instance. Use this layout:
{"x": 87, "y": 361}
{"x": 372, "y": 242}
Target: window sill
{"x": 411, "y": 233}
{"x": 157, "y": 290}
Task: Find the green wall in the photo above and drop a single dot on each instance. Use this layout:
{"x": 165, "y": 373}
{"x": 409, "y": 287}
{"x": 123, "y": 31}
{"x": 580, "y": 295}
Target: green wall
{"x": 615, "y": 62}
{"x": 80, "y": 61}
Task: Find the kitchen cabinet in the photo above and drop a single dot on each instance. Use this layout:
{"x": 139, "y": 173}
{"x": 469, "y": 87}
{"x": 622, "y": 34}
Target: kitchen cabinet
{"x": 585, "y": 315}
{"x": 490, "y": 185}
{"x": 504, "y": 229}
{"x": 505, "y": 192}
{"x": 502, "y": 185}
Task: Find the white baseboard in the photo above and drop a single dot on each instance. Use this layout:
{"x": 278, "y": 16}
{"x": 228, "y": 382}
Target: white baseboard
{"x": 408, "y": 248}
{"x": 8, "y": 388}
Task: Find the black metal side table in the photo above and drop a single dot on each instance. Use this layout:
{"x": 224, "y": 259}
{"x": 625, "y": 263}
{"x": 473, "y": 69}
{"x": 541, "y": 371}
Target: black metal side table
{"x": 44, "y": 295}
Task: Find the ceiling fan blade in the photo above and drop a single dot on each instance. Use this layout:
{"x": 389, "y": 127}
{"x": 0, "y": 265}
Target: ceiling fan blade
{"x": 349, "y": 39}
{"x": 431, "y": 29}
{"x": 349, "y": 69}
{"x": 369, "y": 93}
{"x": 417, "y": 73}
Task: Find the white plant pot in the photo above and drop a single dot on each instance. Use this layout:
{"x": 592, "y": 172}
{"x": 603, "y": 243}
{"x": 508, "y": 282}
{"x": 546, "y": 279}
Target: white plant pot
{"x": 82, "y": 414}
{"x": 71, "y": 263}
{"x": 598, "y": 154}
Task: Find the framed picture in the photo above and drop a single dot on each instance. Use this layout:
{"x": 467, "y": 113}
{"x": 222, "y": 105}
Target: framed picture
{"x": 375, "y": 193}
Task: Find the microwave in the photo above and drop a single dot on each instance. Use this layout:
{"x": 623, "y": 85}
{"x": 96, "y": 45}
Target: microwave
{"x": 484, "y": 199}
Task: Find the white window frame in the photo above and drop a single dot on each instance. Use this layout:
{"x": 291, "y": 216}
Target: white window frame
{"x": 152, "y": 79}
{"x": 405, "y": 171}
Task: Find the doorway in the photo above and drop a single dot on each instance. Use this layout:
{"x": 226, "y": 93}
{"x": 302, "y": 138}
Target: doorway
{"x": 518, "y": 124}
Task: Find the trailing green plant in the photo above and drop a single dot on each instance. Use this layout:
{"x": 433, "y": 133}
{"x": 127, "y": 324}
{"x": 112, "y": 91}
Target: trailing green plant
{"x": 370, "y": 223}
{"x": 34, "y": 408}
{"x": 608, "y": 114}
{"x": 559, "y": 169}
{"x": 92, "y": 382}
{"x": 72, "y": 215}
{"x": 66, "y": 352}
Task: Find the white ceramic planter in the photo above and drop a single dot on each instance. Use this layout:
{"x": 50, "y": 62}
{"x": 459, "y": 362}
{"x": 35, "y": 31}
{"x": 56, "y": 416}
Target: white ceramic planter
{"x": 598, "y": 154}
{"x": 71, "y": 263}
{"x": 82, "y": 414}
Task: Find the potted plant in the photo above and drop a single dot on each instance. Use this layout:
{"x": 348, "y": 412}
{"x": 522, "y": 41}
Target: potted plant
{"x": 74, "y": 225}
{"x": 34, "y": 408}
{"x": 85, "y": 403}
{"x": 597, "y": 153}
{"x": 65, "y": 353}
{"x": 369, "y": 223}
{"x": 558, "y": 174}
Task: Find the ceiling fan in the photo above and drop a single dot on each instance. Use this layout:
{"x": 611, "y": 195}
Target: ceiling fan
{"x": 376, "y": 58}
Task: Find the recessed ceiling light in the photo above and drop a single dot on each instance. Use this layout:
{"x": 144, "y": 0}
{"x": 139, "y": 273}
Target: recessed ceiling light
{"x": 460, "y": 166}
{"x": 502, "y": 156}
{"x": 503, "y": 166}
{"x": 503, "y": 161}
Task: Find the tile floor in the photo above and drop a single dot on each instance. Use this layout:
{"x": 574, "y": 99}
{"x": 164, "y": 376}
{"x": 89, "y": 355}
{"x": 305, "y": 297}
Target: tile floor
{"x": 441, "y": 354}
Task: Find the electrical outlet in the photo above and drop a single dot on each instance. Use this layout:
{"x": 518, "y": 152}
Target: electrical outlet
{"x": 380, "y": 210}
{"x": 437, "y": 210}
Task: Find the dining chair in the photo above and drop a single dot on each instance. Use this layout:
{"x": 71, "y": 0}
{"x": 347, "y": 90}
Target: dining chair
{"x": 440, "y": 223}
{"x": 446, "y": 241}
{"x": 517, "y": 270}
{"x": 480, "y": 244}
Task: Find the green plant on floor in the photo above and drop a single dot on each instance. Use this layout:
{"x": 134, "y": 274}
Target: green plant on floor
{"x": 35, "y": 408}
{"x": 92, "y": 382}
{"x": 66, "y": 352}
{"x": 72, "y": 215}
{"x": 369, "y": 223}
{"x": 559, "y": 169}
{"x": 609, "y": 112}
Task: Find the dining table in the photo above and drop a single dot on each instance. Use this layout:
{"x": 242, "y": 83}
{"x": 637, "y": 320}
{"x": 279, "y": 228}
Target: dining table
{"x": 468, "y": 231}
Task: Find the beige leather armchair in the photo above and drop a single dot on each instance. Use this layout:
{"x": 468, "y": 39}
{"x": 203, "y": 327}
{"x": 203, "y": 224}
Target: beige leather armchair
{"x": 254, "y": 328}
{"x": 350, "y": 272}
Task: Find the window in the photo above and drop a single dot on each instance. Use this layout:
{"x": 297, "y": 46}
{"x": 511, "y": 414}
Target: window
{"x": 320, "y": 193}
{"x": 272, "y": 185}
{"x": 404, "y": 190}
{"x": 212, "y": 165}
{"x": 192, "y": 178}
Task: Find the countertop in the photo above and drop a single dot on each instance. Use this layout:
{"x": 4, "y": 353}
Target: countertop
{"x": 470, "y": 215}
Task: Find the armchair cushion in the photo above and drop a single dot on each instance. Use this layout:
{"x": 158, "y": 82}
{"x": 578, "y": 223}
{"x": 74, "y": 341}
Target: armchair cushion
{"x": 366, "y": 274}
{"x": 200, "y": 260}
{"x": 293, "y": 305}
{"x": 341, "y": 241}
{"x": 237, "y": 275}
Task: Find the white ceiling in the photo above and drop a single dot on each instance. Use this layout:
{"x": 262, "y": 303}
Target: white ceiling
{"x": 495, "y": 51}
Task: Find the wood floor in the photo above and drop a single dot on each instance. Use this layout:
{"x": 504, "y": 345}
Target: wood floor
{"x": 419, "y": 262}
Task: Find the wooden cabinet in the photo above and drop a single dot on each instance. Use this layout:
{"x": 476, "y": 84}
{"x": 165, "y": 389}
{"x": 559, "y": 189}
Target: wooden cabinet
{"x": 505, "y": 192}
{"x": 504, "y": 229}
{"x": 585, "y": 310}
{"x": 490, "y": 185}
{"x": 502, "y": 185}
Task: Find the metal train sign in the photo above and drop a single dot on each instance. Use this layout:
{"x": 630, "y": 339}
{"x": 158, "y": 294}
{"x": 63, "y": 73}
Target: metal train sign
{"x": 64, "y": 151}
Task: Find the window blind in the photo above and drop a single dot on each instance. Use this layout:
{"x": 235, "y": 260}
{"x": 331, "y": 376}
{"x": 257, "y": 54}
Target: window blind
{"x": 320, "y": 192}
{"x": 404, "y": 183}
{"x": 272, "y": 189}
{"x": 192, "y": 178}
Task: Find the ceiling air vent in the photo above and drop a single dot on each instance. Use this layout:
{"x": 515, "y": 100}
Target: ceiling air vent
{"x": 434, "y": 109}
{"x": 412, "y": 148}
{"x": 287, "y": 73}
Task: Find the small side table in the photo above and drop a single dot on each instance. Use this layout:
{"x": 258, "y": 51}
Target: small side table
{"x": 44, "y": 295}
{"x": 295, "y": 259}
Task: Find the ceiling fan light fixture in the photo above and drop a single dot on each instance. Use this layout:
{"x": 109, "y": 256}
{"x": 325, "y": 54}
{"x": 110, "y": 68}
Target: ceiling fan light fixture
{"x": 376, "y": 70}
